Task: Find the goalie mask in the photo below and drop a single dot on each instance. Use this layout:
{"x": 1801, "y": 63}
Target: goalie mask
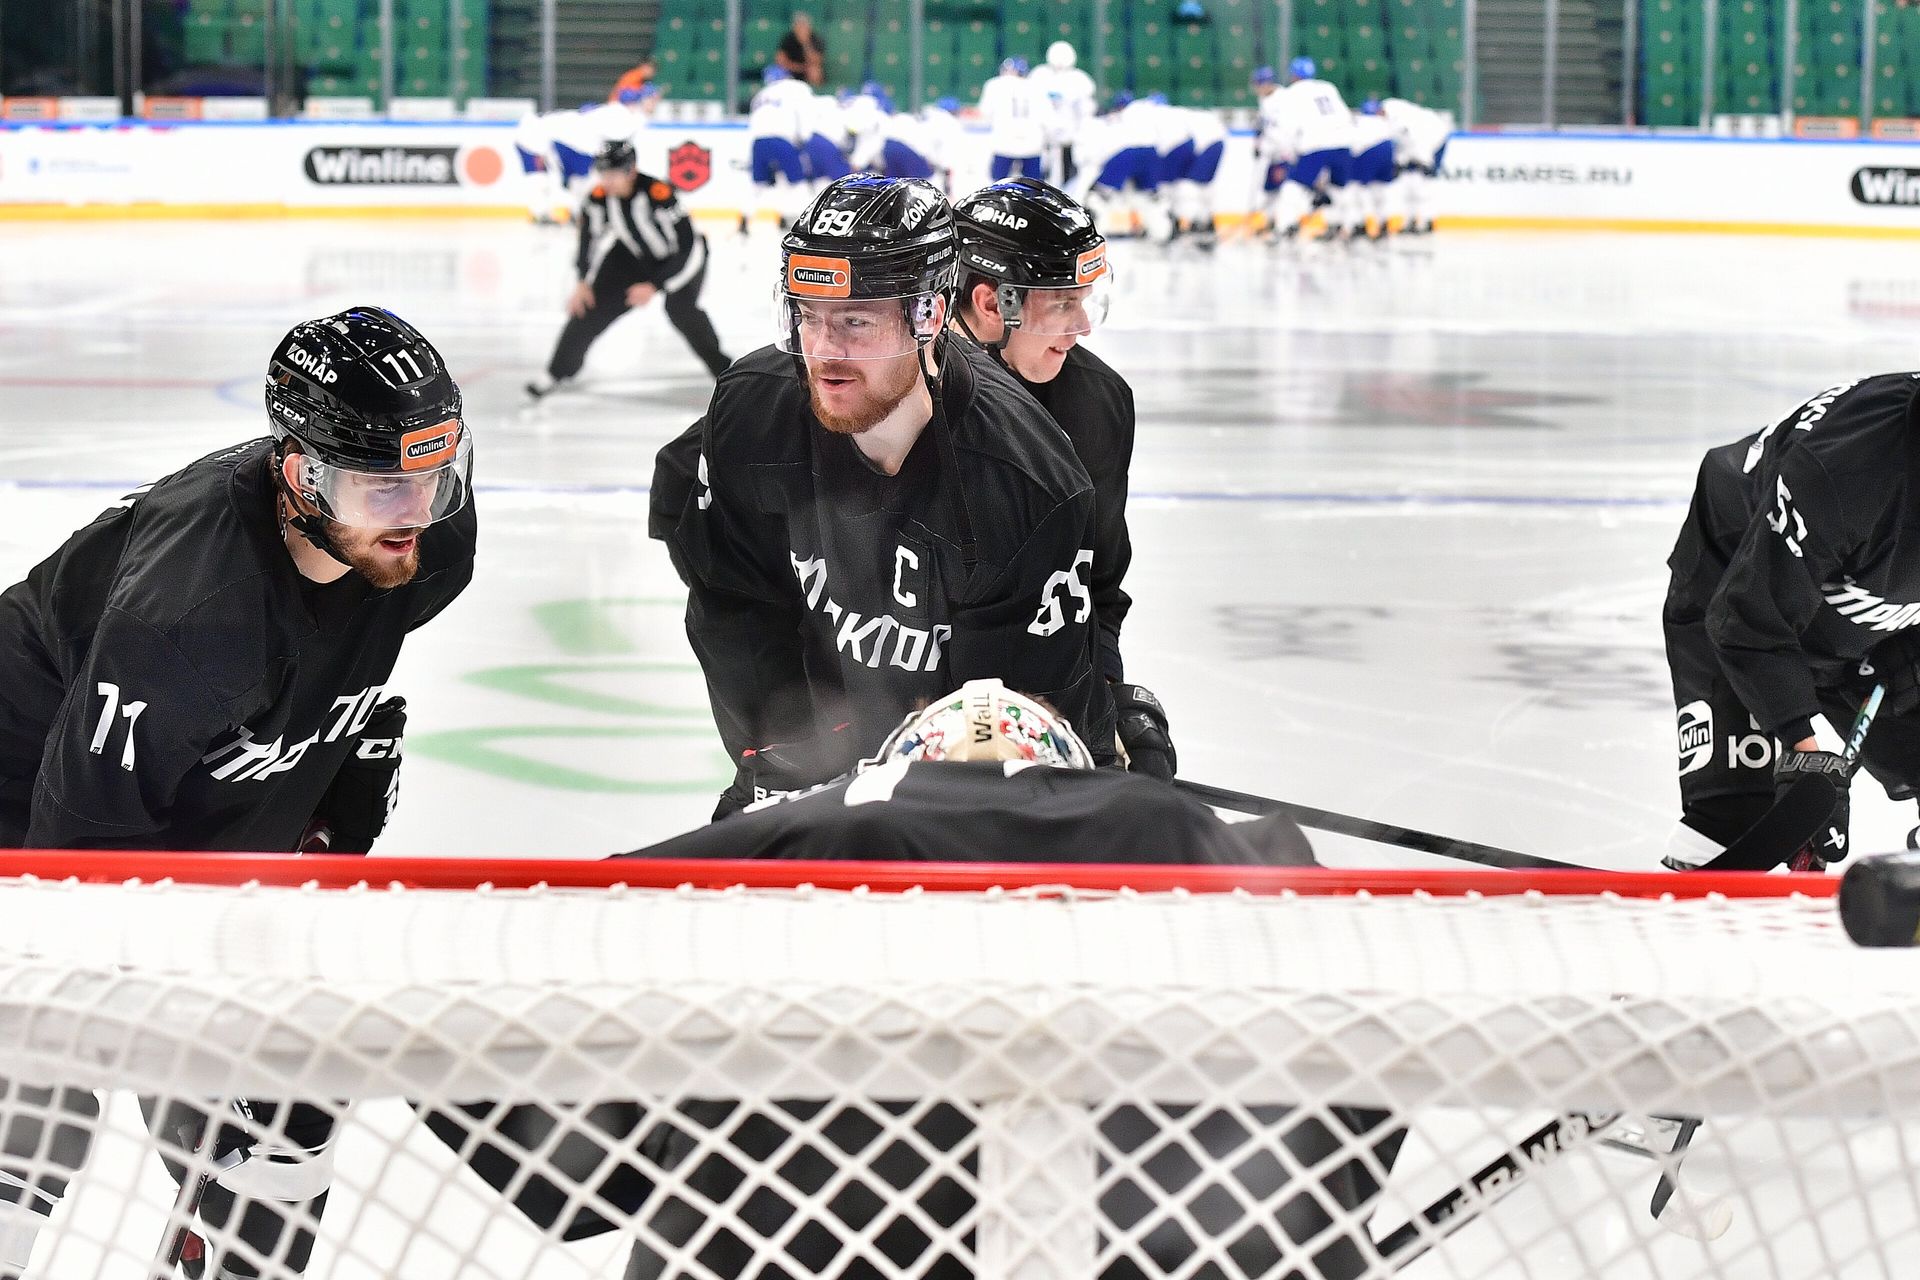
{"x": 985, "y": 720}
{"x": 364, "y": 405}
{"x": 1041, "y": 251}
{"x": 867, "y": 272}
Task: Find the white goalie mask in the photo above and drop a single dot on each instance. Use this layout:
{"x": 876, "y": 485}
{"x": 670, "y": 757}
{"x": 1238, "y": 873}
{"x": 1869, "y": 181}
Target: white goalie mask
{"x": 985, "y": 720}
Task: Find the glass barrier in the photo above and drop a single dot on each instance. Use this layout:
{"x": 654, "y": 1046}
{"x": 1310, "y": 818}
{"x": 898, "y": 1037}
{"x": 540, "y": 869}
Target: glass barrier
{"x": 62, "y": 48}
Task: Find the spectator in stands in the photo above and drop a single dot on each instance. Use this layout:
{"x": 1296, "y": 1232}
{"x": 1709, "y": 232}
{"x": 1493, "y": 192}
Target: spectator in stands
{"x": 632, "y": 81}
{"x": 802, "y": 52}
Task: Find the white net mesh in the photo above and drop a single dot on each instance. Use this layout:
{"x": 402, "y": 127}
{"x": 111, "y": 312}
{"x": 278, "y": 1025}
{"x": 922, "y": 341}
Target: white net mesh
{"x": 774, "y": 1082}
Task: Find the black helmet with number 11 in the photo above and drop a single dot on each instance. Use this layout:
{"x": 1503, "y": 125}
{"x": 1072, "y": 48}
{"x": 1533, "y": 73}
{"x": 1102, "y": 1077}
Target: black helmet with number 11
{"x": 367, "y": 405}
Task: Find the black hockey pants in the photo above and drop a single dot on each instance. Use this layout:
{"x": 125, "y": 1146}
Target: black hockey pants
{"x": 620, "y": 271}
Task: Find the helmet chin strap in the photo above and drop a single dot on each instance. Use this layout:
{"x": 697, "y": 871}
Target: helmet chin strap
{"x": 1008, "y": 297}
{"x": 312, "y": 527}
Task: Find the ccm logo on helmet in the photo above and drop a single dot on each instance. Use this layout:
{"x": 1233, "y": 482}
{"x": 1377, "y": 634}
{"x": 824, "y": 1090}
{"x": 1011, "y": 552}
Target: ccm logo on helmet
{"x": 317, "y": 366}
{"x": 429, "y": 446}
{"x": 1090, "y": 265}
{"x": 812, "y": 277}
{"x": 987, "y": 213}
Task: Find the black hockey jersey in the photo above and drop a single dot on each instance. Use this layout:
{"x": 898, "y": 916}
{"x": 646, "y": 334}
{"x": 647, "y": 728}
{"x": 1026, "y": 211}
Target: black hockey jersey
{"x": 823, "y": 593}
{"x": 173, "y": 682}
{"x": 952, "y": 811}
{"x": 650, "y": 226}
{"x": 1094, "y": 406}
{"x": 1802, "y": 549}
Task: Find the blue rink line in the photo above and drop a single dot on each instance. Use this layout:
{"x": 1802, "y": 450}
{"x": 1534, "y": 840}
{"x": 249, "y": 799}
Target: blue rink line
{"x": 1549, "y": 500}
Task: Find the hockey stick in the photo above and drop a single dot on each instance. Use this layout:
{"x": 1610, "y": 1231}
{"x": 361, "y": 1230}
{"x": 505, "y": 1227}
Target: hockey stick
{"x": 1367, "y": 829}
{"x": 1793, "y": 823}
{"x": 1490, "y": 1183}
{"x": 193, "y": 1187}
{"x": 1797, "y": 816}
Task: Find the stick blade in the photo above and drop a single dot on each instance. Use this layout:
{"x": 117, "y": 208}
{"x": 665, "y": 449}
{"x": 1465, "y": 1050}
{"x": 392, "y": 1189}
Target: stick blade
{"x": 1794, "y": 820}
{"x": 1705, "y": 1220}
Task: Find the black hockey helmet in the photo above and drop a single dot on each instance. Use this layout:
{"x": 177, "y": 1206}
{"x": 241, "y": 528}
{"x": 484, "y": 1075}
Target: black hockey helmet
{"x": 368, "y": 404}
{"x": 616, "y": 154}
{"x": 870, "y": 237}
{"x": 1022, "y": 234}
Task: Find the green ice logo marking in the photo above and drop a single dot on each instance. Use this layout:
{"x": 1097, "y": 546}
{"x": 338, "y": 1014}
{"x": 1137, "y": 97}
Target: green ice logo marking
{"x": 592, "y": 634}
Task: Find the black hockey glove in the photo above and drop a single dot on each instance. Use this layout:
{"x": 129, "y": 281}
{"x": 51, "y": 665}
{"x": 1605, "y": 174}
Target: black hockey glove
{"x": 1142, "y": 724}
{"x": 356, "y": 807}
{"x": 1831, "y": 845}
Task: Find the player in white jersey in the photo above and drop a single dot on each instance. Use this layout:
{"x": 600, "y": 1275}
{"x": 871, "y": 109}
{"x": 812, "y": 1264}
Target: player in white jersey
{"x": 1192, "y": 194}
{"x": 1130, "y": 138}
{"x": 1420, "y": 147}
{"x": 557, "y": 148}
{"x": 1069, "y": 93}
{"x": 1312, "y": 125}
{"x": 866, "y": 119}
{"x": 904, "y": 149}
{"x": 778, "y": 123}
{"x": 1016, "y": 115}
{"x": 1373, "y": 169}
{"x": 825, "y": 148}
{"x": 945, "y": 140}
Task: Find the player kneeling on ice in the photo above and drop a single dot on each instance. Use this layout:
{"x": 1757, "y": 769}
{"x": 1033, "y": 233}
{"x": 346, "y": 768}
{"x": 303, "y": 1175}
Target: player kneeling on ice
{"x": 872, "y": 510}
{"x": 203, "y": 668}
{"x": 1035, "y": 279}
{"x": 1795, "y": 590}
{"x": 635, "y": 242}
{"x": 982, "y": 774}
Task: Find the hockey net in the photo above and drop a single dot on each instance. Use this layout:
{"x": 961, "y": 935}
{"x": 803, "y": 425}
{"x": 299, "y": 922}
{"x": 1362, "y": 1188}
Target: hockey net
{"x": 781, "y": 1070}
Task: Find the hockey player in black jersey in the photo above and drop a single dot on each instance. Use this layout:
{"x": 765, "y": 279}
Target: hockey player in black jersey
{"x": 203, "y": 668}
{"x": 872, "y": 511}
{"x": 1034, "y": 280}
{"x": 636, "y": 242}
{"x": 1796, "y": 587}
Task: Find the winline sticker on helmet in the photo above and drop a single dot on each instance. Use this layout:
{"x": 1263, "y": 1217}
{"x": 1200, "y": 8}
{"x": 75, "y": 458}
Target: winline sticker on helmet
{"x": 435, "y": 476}
{"x": 985, "y": 720}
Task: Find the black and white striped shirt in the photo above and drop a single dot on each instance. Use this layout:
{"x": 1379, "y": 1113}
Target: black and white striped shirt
{"x": 651, "y": 226}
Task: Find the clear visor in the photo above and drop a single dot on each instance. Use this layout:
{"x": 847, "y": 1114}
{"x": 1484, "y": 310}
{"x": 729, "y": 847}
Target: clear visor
{"x": 1049, "y": 313}
{"x": 856, "y": 328}
{"x": 406, "y": 499}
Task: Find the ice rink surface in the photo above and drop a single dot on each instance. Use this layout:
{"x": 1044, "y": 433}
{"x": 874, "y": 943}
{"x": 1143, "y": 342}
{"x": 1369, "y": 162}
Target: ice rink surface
{"x": 1400, "y": 517}
{"x": 1400, "y": 513}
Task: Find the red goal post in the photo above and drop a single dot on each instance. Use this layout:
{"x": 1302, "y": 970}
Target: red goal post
{"x": 928, "y": 1070}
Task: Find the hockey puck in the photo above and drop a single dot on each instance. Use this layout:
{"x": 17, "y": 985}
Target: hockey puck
{"x": 1880, "y": 900}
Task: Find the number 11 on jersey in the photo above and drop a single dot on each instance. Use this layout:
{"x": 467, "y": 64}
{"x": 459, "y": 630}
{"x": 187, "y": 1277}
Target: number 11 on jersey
{"x": 130, "y": 712}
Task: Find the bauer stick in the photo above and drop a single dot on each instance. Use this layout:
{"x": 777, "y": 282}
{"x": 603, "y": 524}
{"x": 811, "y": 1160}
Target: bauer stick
{"x": 1490, "y": 1184}
{"x": 1367, "y": 829}
{"x": 1797, "y": 816}
{"x": 1783, "y": 831}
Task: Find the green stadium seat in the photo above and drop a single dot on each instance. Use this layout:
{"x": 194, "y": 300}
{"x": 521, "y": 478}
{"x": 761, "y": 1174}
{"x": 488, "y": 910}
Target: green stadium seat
{"x": 846, "y": 51}
{"x": 247, "y": 40}
{"x": 977, "y": 52}
{"x": 206, "y": 39}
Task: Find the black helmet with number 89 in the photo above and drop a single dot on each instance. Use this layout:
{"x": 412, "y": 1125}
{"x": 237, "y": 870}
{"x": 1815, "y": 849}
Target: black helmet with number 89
{"x": 367, "y": 404}
{"x": 1040, "y": 251}
{"x": 867, "y": 238}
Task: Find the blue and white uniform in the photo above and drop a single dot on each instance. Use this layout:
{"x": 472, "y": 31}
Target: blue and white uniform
{"x": 1016, "y": 112}
{"x": 779, "y": 121}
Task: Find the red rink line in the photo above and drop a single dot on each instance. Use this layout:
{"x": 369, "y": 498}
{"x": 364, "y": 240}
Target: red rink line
{"x": 336, "y": 872}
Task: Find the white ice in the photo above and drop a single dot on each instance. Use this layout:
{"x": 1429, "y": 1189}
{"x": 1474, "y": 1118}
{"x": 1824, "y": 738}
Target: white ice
{"x": 1400, "y": 518}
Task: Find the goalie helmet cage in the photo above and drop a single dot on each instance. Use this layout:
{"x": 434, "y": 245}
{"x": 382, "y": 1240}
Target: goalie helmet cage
{"x": 634, "y": 1069}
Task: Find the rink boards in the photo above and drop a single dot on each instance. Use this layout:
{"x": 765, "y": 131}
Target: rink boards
{"x": 1564, "y": 181}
